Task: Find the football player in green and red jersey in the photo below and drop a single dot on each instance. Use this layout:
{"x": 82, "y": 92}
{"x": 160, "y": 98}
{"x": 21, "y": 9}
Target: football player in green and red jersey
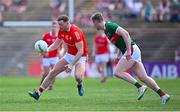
{"x": 131, "y": 58}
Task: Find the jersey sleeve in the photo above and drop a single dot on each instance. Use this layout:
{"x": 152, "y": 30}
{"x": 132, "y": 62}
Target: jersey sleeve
{"x": 44, "y": 37}
{"x": 77, "y": 36}
{"x": 117, "y": 29}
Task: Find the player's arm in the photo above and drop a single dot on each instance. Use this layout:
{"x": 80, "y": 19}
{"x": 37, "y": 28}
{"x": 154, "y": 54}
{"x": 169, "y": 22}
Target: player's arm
{"x": 127, "y": 40}
{"x": 54, "y": 45}
{"x": 108, "y": 43}
{"x": 94, "y": 50}
{"x": 80, "y": 48}
{"x": 61, "y": 49}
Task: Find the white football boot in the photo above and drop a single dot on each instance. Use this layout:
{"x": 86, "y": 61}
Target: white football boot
{"x": 165, "y": 98}
{"x": 141, "y": 91}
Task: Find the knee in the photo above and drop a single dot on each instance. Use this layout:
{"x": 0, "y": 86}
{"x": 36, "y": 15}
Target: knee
{"x": 78, "y": 78}
{"x": 143, "y": 78}
{"x": 52, "y": 74}
{"x": 117, "y": 74}
{"x": 45, "y": 73}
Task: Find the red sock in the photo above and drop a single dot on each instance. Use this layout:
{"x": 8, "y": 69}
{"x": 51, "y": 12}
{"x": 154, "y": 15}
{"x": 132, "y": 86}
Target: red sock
{"x": 160, "y": 92}
{"x": 41, "y": 89}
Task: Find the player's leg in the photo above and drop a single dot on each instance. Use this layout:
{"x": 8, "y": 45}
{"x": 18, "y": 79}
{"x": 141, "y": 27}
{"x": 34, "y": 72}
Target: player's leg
{"x": 44, "y": 73}
{"x": 120, "y": 72}
{"x": 140, "y": 72}
{"x": 79, "y": 73}
{"x": 98, "y": 60}
{"x": 53, "y": 61}
{"x": 47, "y": 65}
{"x": 50, "y": 87}
{"x": 46, "y": 68}
{"x": 101, "y": 61}
{"x": 102, "y": 71}
{"x": 58, "y": 68}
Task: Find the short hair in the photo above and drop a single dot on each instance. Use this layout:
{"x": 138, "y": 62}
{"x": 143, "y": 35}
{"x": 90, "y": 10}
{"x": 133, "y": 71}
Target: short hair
{"x": 97, "y": 17}
{"x": 65, "y": 18}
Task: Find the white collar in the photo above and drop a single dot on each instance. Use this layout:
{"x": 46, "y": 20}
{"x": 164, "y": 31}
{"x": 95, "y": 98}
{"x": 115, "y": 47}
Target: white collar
{"x": 104, "y": 25}
{"x": 69, "y": 28}
{"x": 52, "y": 34}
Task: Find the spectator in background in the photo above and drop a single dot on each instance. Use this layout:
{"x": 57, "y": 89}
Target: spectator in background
{"x": 1, "y": 10}
{"x": 177, "y": 54}
{"x": 102, "y": 4}
{"x": 148, "y": 12}
{"x": 7, "y": 4}
{"x": 135, "y": 7}
{"x": 129, "y": 3}
{"x": 175, "y": 11}
{"x": 58, "y": 6}
{"x": 1, "y": 19}
{"x": 107, "y": 7}
{"x": 4, "y": 6}
{"x": 19, "y": 6}
{"x": 101, "y": 54}
{"x": 82, "y": 18}
{"x": 163, "y": 10}
{"x": 121, "y": 8}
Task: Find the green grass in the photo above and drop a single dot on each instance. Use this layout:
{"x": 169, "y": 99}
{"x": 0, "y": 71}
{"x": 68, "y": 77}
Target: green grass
{"x": 113, "y": 95}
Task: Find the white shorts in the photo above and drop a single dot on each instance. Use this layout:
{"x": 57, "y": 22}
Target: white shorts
{"x": 136, "y": 56}
{"x": 69, "y": 58}
{"x": 50, "y": 61}
{"x": 102, "y": 58}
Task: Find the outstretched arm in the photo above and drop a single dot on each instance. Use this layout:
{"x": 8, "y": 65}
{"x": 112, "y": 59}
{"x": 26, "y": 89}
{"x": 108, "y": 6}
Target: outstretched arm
{"x": 94, "y": 50}
{"x": 54, "y": 46}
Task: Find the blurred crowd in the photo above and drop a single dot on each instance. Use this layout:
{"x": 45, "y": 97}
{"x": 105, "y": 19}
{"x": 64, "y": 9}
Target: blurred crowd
{"x": 58, "y": 6}
{"x": 115, "y": 10}
{"x": 20, "y": 6}
{"x": 17, "y": 6}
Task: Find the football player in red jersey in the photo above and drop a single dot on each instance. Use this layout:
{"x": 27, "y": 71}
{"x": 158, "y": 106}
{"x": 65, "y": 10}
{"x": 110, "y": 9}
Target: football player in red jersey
{"x": 51, "y": 58}
{"x": 76, "y": 55}
{"x": 101, "y": 53}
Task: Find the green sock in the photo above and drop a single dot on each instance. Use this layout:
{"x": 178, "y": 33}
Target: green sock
{"x": 137, "y": 85}
{"x": 79, "y": 82}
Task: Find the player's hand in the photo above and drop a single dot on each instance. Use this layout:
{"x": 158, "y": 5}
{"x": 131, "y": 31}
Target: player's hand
{"x": 43, "y": 54}
{"x": 68, "y": 68}
{"x": 128, "y": 55}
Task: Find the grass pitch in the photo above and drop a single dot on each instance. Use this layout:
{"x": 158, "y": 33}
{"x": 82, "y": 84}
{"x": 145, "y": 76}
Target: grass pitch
{"x": 113, "y": 95}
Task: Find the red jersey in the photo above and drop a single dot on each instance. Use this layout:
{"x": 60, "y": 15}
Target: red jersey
{"x": 101, "y": 44}
{"x": 72, "y": 37}
{"x": 49, "y": 38}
